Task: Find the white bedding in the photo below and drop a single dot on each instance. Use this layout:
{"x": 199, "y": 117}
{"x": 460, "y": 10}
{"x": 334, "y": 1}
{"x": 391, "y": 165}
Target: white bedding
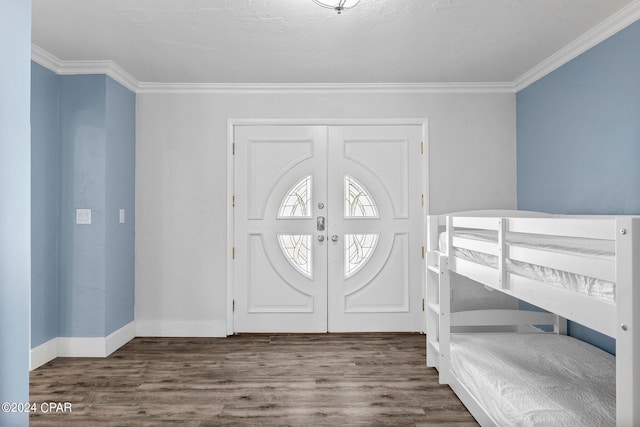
{"x": 601, "y": 249}
{"x": 536, "y": 379}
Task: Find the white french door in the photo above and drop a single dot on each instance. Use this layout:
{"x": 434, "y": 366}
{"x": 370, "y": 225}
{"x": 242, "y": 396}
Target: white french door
{"x": 280, "y": 274}
{"x": 327, "y": 228}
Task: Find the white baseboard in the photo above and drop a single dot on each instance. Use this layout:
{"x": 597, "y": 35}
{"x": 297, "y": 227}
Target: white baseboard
{"x": 81, "y": 346}
{"x": 166, "y": 328}
{"x": 44, "y": 353}
{"x": 118, "y": 338}
{"x": 104, "y": 346}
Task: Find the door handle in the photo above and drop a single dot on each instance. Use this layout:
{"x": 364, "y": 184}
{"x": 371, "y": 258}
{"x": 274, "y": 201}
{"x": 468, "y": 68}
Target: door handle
{"x": 334, "y": 238}
{"x": 320, "y": 223}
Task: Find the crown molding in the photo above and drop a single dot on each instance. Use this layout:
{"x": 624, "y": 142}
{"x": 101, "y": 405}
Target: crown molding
{"x": 612, "y": 25}
{"x": 244, "y": 88}
{"x": 113, "y": 70}
{"x": 45, "y": 59}
{"x": 64, "y": 67}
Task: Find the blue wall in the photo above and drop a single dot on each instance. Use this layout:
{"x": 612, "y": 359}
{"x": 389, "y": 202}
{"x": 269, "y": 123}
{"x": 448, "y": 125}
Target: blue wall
{"x": 120, "y": 194}
{"x": 82, "y": 247}
{"x": 45, "y": 195}
{"x": 84, "y": 155}
{"x": 578, "y": 139}
{"x": 15, "y": 205}
{"x": 578, "y": 130}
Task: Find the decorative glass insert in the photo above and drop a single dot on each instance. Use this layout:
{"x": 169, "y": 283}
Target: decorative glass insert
{"x": 358, "y": 249}
{"x": 297, "y": 202}
{"x": 297, "y": 250}
{"x": 358, "y": 202}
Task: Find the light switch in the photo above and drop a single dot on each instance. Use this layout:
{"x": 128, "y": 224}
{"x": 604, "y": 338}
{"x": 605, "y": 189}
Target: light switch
{"x": 83, "y": 216}
{"x": 121, "y": 216}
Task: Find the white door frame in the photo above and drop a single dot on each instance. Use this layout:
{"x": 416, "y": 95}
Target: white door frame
{"x": 232, "y": 123}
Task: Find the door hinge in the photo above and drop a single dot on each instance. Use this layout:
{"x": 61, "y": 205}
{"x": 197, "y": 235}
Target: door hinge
{"x": 233, "y": 252}
{"x": 233, "y": 149}
{"x": 233, "y": 201}
{"x": 423, "y": 252}
{"x": 422, "y": 200}
{"x": 422, "y": 148}
{"x": 233, "y": 305}
{"x": 422, "y": 304}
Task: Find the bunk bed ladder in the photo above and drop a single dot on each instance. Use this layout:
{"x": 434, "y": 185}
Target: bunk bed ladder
{"x": 432, "y": 309}
{"x": 444, "y": 324}
{"x": 432, "y": 233}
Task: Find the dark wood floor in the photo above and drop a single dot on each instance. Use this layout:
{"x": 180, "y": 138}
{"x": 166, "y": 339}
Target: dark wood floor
{"x": 268, "y": 380}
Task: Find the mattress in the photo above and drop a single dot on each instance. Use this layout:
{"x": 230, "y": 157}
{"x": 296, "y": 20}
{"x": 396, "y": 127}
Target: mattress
{"x": 536, "y": 379}
{"x": 601, "y": 249}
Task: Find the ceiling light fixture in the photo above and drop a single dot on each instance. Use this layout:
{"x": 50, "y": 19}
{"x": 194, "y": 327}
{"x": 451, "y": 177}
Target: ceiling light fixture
{"x": 337, "y": 5}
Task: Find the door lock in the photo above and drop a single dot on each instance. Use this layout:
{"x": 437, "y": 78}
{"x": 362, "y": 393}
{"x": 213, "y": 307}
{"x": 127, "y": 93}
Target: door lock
{"x": 320, "y": 223}
{"x": 334, "y": 238}
{"x": 321, "y": 238}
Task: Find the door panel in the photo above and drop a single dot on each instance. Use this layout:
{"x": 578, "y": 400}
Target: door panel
{"x": 363, "y": 271}
{"x": 280, "y": 269}
{"x": 265, "y": 170}
{"x": 388, "y": 161}
{"x": 382, "y": 290}
{"x": 385, "y": 294}
{"x": 270, "y": 290}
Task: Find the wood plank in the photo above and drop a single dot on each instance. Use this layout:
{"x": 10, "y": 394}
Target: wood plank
{"x": 578, "y": 264}
{"x": 288, "y": 379}
{"x": 598, "y": 228}
{"x": 501, "y": 318}
{"x": 628, "y": 314}
{"x": 476, "y": 223}
{"x": 491, "y": 248}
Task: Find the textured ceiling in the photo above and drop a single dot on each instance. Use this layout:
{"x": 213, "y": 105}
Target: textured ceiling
{"x": 295, "y": 41}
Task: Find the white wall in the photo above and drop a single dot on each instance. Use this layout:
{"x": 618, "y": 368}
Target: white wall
{"x": 181, "y": 182}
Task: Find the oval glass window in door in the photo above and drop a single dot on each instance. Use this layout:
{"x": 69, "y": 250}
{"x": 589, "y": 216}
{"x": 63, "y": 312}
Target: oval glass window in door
{"x": 297, "y": 250}
{"x": 358, "y": 202}
{"x": 297, "y": 202}
{"x": 358, "y": 249}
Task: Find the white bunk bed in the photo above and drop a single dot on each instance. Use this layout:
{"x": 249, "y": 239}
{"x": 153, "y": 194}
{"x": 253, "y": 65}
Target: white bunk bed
{"x": 582, "y": 268}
